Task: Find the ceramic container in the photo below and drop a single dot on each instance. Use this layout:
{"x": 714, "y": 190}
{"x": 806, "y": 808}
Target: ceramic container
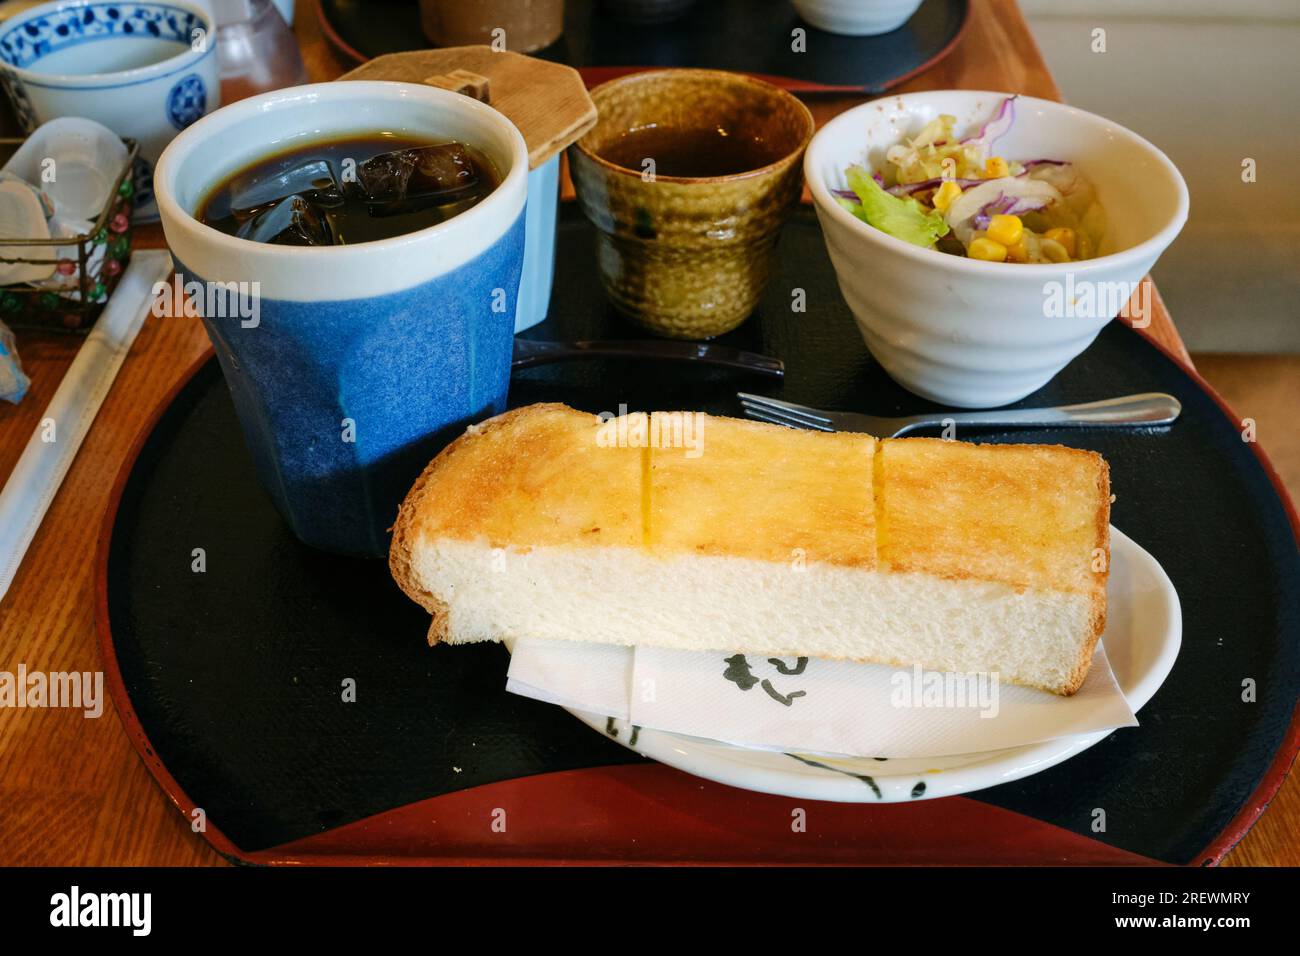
{"x": 362, "y": 360}
{"x": 539, "y": 244}
{"x": 858, "y": 18}
{"x": 548, "y": 103}
{"x": 144, "y": 70}
{"x": 688, "y": 257}
{"x": 526, "y": 25}
{"x": 981, "y": 334}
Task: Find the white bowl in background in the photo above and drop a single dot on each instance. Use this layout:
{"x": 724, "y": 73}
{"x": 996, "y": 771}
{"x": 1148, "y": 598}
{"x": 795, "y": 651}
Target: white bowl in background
{"x": 982, "y": 334}
{"x": 857, "y": 18}
{"x": 145, "y": 70}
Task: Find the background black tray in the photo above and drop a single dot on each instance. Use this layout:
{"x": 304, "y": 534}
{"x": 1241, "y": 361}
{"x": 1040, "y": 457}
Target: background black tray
{"x": 235, "y": 673}
{"x": 752, "y": 36}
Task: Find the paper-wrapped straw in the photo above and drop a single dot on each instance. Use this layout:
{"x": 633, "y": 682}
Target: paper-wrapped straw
{"x": 36, "y": 478}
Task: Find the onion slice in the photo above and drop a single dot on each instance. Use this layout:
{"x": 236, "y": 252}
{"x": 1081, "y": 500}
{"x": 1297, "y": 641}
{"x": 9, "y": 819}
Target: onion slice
{"x": 997, "y": 127}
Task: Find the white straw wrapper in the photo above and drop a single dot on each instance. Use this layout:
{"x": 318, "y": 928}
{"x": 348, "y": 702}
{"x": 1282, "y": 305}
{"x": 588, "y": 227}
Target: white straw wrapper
{"x": 36, "y": 477}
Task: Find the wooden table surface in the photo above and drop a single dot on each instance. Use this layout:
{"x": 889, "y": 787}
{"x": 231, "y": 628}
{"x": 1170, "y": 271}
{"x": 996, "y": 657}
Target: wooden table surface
{"x": 72, "y": 790}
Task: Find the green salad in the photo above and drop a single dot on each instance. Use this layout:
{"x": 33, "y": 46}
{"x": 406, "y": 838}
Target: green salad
{"x": 959, "y": 196}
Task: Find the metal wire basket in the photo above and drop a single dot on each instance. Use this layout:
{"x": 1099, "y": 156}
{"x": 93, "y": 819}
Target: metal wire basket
{"x": 73, "y": 298}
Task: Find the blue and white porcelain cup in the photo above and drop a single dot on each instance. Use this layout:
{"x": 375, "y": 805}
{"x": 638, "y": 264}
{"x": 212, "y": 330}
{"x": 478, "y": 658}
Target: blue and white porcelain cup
{"x": 350, "y": 366}
{"x": 145, "y": 70}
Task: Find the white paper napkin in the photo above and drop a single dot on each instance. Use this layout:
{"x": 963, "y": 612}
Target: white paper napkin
{"x": 826, "y": 707}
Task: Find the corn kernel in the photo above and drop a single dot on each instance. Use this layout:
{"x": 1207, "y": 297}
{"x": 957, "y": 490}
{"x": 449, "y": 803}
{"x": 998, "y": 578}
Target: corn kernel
{"x": 1066, "y": 237}
{"x": 1018, "y": 252}
{"x": 987, "y": 249}
{"x": 945, "y": 194}
{"x": 1054, "y": 250}
{"x": 995, "y": 167}
{"x": 1007, "y": 230}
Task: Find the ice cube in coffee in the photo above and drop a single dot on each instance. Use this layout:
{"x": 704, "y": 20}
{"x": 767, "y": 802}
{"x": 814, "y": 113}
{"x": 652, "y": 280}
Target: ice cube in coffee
{"x": 401, "y": 179}
{"x": 342, "y": 192}
{"x": 314, "y": 181}
{"x": 288, "y": 222}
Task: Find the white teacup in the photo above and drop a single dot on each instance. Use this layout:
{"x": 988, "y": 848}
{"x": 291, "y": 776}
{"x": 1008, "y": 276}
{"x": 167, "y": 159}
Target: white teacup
{"x": 145, "y": 70}
{"x": 857, "y": 18}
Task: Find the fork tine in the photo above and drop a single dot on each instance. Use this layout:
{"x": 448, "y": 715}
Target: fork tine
{"x": 812, "y": 414}
{"x": 790, "y": 415}
{"x": 754, "y": 413}
{"x": 774, "y": 417}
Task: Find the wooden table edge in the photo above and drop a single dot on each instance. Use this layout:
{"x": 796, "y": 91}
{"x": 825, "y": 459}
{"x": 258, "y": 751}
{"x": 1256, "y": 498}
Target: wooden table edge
{"x": 996, "y": 23}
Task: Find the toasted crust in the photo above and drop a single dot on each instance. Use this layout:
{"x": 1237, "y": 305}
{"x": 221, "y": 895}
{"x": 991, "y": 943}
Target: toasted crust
{"x": 544, "y": 475}
{"x": 401, "y": 549}
{"x": 751, "y": 490}
{"x": 1031, "y": 516}
{"x": 1022, "y": 515}
{"x": 1101, "y": 573}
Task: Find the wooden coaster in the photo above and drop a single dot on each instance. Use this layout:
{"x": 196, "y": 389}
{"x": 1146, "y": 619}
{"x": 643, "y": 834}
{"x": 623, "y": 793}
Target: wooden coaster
{"x": 548, "y": 102}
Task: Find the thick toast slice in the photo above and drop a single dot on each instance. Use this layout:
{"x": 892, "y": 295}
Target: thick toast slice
{"x": 685, "y": 530}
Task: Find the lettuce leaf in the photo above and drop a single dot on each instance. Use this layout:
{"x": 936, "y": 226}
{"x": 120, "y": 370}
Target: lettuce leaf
{"x": 900, "y": 216}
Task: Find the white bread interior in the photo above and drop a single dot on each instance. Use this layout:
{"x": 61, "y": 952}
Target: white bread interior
{"x": 765, "y": 540}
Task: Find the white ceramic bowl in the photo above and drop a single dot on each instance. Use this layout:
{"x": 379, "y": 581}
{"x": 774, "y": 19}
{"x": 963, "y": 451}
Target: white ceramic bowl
{"x": 857, "y": 18}
{"x": 981, "y": 334}
{"x": 145, "y": 70}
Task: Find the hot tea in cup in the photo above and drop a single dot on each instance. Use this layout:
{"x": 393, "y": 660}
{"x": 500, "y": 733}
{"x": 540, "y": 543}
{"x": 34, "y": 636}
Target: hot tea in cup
{"x": 688, "y": 176}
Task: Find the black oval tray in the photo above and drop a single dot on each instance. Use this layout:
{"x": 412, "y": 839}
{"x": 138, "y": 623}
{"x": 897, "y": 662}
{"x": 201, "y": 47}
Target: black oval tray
{"x": 229, "y": 680}
{"x": 750, "y": 36}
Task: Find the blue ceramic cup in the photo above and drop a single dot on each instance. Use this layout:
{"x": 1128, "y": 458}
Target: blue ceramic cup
{"x": 350, "y": 366}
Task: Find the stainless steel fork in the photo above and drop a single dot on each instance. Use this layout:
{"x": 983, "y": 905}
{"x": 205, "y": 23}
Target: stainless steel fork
{"x": 1145, "y": 410}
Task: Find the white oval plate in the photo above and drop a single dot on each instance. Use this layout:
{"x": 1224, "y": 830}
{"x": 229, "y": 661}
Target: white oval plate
{"x": 1144, "y": 627}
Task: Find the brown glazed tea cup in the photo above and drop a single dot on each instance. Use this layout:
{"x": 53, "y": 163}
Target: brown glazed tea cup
{"x": 688, "y": 176}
